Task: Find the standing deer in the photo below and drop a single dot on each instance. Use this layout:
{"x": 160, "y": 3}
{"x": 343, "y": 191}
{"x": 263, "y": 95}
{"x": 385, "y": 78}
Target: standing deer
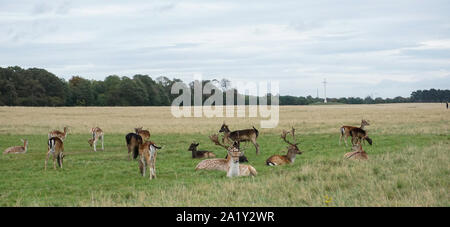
{"x": 231, "y": 164}
{"x": 56, "y": 149}
{"x": 200, "y": 154}
{"x": 147, "y": 153}
{"x": 357, "y": 153}
{"x": 97, "y": 134}
{"x": 145, "y": 134}
{"x": 18, "y": 149}
{"x": 59, "y": 134}
{"x": 289, "y": 158}
{"x": 359, "y": 135}
{"x": 240, "y": 135}
{"x": 133, "y": 142}
{"x": 345, "y": 131}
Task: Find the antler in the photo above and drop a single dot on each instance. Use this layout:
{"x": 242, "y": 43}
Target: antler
{"x": 215, "y": 139}
{"x": 284, "y": 134}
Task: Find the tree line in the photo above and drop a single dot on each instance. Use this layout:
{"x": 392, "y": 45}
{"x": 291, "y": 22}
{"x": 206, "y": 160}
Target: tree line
{"x": 38, "y": 87}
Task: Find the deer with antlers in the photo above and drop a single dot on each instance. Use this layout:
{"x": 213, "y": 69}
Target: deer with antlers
{"x": 145, "y": 134}
{"x": 200, "y": 154}
{"x": 289, "y": 158}
{"x": 147, "y": 154}
{"x": 357, "y": 153}
{"x": 345, "y": 130}
{"x": 59, "y": 134}
{"x": 56, "y": 149}
{"x": 17, "y": 149}
{"x": 97, "y": 134}
{"x": 244, "y": 135}
{"x": 231, "y": 165}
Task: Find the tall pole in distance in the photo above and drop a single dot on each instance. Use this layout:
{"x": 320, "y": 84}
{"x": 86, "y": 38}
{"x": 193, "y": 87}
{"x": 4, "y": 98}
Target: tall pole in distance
{"x": 325, "y": 89}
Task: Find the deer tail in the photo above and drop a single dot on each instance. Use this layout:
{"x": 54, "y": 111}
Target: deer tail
{"x": 256, "y": 131}
{"x": 135, "y": 152}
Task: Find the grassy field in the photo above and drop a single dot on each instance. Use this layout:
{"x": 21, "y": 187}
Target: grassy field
{"x": 408, "y": 163}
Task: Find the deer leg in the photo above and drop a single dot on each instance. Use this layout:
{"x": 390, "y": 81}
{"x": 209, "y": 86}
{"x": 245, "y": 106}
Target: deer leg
{"x": 61, "y": 159}
{"x": 103, "y": 148}
{"x": 95, "y": 145}
{"x": 46, "y": 160}
{"x": 256, "y": 146}
{"x": 345, "y": 140}
{"x": 54, "y": 162}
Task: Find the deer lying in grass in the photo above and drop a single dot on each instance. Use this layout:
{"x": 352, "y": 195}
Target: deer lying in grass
{"x": 200, "y": 154}
{"x": 59, "y": 134}
{"x": 359, "y": 135}
{"x": 97, "y": 134}
{"x": 231, "y": 164}
{"x": 133, "y": 142}
{"x": 345, "y": 131}
{"x": 240, "y": 135}
{"x": 56, "y": 149}
{"x": 357, "y": 153}
{"x": 147, "y": 154}
{"x": 17, "y": 149}
{"x": 289, "y": 158}
{"x": 145, "y": 134}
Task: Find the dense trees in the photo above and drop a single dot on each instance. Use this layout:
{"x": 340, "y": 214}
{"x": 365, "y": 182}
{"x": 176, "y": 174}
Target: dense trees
{"x": 38, "y": 87}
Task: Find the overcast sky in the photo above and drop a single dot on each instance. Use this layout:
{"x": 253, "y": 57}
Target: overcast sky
{"x": 379, "y": 48}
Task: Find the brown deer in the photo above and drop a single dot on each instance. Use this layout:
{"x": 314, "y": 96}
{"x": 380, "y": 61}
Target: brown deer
{"x": 59, "y": 134}
{"x": 147, "y": 154}
{"x": 289, "y": 158}
{"x": 56, "y": 149}
{"x": 240, "y": 135}
{"x": 133, "y": 142}
{"x": 345, "y": 131}
{"x": 357, "y": 153}
{"x": 97, "y": 134}
{"x": 145, "y": 134}
{"x": 200, "y": 154}
{"x": 17, "y": 149}
{"x": 231, "y": 164}
{"x": 359, "y": 135}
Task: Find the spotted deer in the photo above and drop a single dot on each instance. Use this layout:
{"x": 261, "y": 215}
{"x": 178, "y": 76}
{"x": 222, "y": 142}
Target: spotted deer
{"x": 59, "y": 134}
{"x": 17, "y": 149}
{"x": 289, "y": 158}
{"x": 244, "y": 135}
{"x": 345, "y": 131}
{"x": 147, "y": 154}
{"x": 199, "y": 154}
{"x": 97, "y": 134}
{"x": 357, "y": 153}
{"x": 145, "y": 134}
{"x": 56, "y": 149}
{"x": 230, "y": 165}
{"x": 133, "y": 141}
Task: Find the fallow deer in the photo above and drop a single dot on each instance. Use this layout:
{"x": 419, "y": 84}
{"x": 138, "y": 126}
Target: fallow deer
{"x": 97, "y": 134}
{"x": 231, "y": 164}
{"x": 56, "y": 149}
{"x": 17, "y": 149}
{"x": 145, "y": 134}
{"x": 133, "y": 142}
{"x": 59, "y": 134}
{"x": 289, "y": 158}
{"x": 345, "y": 131}
{"x": 200, "y": 154}
{"x": 147, "y": 154}
{"x": 357, "y": 153}
{"x": 240, "y": 135}
{"x": 359, "y": 135}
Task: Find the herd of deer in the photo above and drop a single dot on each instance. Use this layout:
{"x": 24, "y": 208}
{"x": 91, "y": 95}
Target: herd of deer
{"x": 141, "y": 148}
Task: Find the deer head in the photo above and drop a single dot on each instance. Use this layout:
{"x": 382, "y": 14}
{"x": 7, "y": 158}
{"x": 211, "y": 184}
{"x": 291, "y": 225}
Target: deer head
{"x": 193, "y": 146}
{"x": 224, "y": 128}
{"x": 364, "y": 123}
{"x": 234, "y": 153}
{"x": 138, "y": 129}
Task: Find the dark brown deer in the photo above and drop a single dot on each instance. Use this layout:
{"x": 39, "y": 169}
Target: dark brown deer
{"x": 345, "y": 131}
{"x": 200, "y": 154}
{"x": 240, "y": 135}
{"x": 289, "y": 158}
{"x": 133, "y": 142}
{"x": 359, "y": 135}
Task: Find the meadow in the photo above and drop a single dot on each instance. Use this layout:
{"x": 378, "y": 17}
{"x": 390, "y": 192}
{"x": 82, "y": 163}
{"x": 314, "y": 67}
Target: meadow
{"x": 408, "y": 163}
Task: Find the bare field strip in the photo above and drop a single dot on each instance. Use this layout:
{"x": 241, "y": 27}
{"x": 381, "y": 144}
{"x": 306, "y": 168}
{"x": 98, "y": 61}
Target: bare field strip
{"x": 384, "y": 118}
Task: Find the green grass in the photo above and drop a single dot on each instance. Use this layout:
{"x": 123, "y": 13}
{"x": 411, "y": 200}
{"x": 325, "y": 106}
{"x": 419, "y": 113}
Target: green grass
{"x": 402, "y": 170}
